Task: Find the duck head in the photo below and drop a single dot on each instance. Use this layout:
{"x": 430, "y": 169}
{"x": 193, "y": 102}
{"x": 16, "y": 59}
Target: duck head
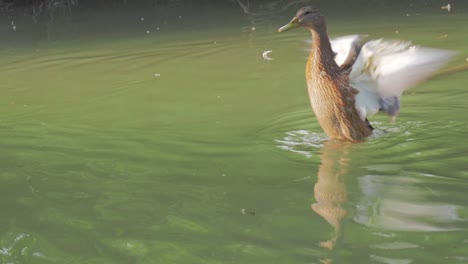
{"x": 308, "y": 17}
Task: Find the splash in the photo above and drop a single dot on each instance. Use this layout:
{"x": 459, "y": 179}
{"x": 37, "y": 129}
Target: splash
{"x": 301, "y": 142}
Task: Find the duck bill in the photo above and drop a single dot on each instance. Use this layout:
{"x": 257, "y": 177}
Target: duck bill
{"x": 294, "y": 23}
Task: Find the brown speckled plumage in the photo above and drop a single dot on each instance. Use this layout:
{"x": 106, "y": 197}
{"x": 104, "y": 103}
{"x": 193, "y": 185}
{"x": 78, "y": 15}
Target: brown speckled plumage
{"x": 331, "y": 97}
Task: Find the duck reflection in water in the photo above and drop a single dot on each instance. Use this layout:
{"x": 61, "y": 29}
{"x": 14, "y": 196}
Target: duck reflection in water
{"x": 330, "y": 190}
{"x": 386, "y": 200}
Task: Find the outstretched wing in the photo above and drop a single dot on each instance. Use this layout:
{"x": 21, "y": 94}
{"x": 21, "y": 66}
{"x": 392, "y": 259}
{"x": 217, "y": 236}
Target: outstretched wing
{"x": 346, "y": 49}
{"x": 384, "y": 69}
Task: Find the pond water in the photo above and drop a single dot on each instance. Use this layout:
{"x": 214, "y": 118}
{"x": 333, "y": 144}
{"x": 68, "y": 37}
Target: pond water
{"x": 162, "y": 135}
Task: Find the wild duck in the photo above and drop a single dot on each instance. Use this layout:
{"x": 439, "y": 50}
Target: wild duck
{"x": 348, "y": 82}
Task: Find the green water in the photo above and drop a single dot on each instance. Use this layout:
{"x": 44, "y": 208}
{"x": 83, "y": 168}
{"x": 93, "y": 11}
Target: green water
{"x": 184, "y": 145}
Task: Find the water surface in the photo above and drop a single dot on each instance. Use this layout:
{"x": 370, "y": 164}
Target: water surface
{"x": 155, "y": 136}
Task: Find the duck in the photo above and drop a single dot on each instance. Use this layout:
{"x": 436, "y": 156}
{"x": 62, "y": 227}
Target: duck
{"x": 349, "y": 81}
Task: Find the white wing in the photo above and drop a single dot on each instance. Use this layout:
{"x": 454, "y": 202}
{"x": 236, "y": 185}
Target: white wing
{"x": 384, "y": 69}
{"x": 346, "y": 47}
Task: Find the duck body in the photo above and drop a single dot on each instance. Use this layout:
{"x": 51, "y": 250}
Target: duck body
{"x": 331, "y": 96}
{"x": 348, "y": 81}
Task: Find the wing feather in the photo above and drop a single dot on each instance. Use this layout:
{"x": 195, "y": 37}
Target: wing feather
{"x": 386, "y": 68}
{"x": 346, "y": 49}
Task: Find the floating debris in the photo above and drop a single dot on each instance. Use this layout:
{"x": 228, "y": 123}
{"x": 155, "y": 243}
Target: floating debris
{"x": 243, "y": 211}
{"x": 447, "y": 7}
{"x": 253, "y": 28}
{"x": 142, "y": 18}
{"x": 147, "y": 31}
{"x": 157, "y": 75}
{"x": 265, "y": 55}
{"x": 397, "y": 32}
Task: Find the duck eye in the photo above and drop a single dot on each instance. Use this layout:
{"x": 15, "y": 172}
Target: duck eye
{"x": 307, "y": 13}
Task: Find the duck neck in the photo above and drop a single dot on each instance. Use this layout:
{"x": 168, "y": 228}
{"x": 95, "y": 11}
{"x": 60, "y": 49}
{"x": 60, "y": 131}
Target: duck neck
{"x": 322, "y": 57}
